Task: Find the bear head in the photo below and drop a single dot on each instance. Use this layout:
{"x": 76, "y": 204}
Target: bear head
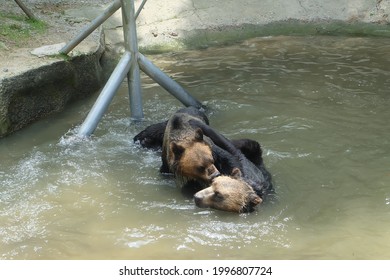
{"x": 228, "y": 193}
{"x": 193, "y": 158}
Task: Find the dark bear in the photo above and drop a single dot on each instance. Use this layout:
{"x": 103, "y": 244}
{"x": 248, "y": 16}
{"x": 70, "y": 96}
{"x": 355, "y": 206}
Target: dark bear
{"x": 240, "y": 161}
{"x": 185, "y": 153}
{"x": 252, "y": 174}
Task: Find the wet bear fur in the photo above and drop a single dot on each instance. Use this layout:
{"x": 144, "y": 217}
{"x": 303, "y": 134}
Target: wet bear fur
{"x": 186, "y": 153}
{"x": 237, "y": 157}
{"x": 245, "y": 175}
{"x": 152, "y": 137}
{"x": 228, "y": 193}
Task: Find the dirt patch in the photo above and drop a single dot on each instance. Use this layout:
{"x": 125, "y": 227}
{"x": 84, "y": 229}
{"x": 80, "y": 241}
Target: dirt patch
{"x": 16, "y": 30}
{"x": 19, "y": 35}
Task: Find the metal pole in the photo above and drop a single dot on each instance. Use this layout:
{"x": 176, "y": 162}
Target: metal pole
{"x": 25, "y": 9}
{"x": 140, "y": 8}
{"x": 106, "y": 96}
{"x": 166, "y": 82}
{"x": 91, "y": 27}
{"x": 131, "y": 45}
{"x": 95, "y": 24}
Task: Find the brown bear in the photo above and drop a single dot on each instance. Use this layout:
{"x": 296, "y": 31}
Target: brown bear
{"x": 240, "y": 161}
{"x": 228, "y": 193}
{"x": 253, "y": 173}
{"x": 185, "y": 153}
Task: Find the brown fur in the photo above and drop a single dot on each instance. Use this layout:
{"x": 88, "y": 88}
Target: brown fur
{"x": 228, "y": 193}
{"x": 185, "y": 152}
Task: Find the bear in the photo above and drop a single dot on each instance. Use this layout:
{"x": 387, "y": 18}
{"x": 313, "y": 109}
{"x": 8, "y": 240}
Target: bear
{"x": 239, "y": 161}
{"x": 228, "y": 193}
{"x": 245, "y": 173}
{"x": 187, "y": 175}
{"x": 185, "y": 153}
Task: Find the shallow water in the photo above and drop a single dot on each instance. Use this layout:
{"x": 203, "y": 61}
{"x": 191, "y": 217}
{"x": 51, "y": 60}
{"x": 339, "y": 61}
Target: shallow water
{"x": 318, "y": 105}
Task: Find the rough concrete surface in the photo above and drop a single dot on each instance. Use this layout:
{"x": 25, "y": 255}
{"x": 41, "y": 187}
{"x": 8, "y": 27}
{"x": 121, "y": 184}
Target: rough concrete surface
{"x": 32, "y": 86}
{"x": 178, "y": 24}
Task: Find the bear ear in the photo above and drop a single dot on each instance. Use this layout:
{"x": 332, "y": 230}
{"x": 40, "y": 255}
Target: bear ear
{"x": 176, "y": 122}
{"x": 198, "y": 134}
{"x": 177, "y": 150}
{"x": 236, "y": 173}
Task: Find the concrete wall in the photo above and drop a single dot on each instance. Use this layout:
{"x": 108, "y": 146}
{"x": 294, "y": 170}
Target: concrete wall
{"x": 175, "y": 24}
{"x": 42, "y": 91}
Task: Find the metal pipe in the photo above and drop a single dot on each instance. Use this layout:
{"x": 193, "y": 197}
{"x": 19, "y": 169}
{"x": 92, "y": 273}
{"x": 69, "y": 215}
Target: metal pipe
{"x": 25, "y": 9}
{"x": 140, "y": 8}
{"x": 91, "y": 27}
{"x": 99, "y": 108}
{"x": 166, "y": 82}
{"x": 131, "y": 45}
{"x": 109, "y": 11}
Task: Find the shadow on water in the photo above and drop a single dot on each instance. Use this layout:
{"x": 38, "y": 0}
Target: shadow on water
{"x": 319, "y": 107}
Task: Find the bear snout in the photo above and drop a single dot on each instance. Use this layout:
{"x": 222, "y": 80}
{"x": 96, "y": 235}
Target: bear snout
{"x": 213, "y": 172}
{"x": 197, "y": 200}
{"x": 202, "y": 198}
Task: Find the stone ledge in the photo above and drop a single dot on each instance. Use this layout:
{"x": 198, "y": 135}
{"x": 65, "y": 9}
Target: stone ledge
{"x": 35, "y": 92}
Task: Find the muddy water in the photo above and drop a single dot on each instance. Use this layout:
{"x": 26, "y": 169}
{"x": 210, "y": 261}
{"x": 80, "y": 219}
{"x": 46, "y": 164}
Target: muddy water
{"x": 320, "y": 108}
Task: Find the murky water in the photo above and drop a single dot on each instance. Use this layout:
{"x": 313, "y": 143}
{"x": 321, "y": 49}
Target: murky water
{"x": 320, "y": 108}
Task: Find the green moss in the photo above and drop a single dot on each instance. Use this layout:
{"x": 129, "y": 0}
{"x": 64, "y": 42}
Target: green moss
{"x": 62, "y": 56}
{"x": 37, "y": 25}
{"x": 16, "y": 29}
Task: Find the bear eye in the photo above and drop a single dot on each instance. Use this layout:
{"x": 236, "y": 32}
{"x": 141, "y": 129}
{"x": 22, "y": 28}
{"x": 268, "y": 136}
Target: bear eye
{"x": 201, "y": 169}
{"x": 217, "y": 196}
